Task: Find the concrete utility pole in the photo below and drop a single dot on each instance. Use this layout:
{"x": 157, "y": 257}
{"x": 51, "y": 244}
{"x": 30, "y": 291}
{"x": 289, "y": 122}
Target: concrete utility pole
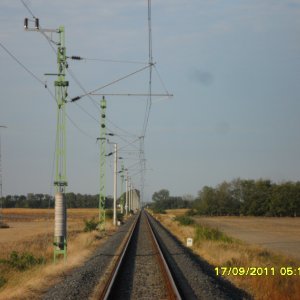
{"x": 133, "y": 200}
{"x": 126, "y": 195}
{"x": 131, "y": 187}
{"x": 1, "y": 183}
{"x": 129, "y": 199}
{"x": 115, "y": 184}
{"x": 121, "y": 193}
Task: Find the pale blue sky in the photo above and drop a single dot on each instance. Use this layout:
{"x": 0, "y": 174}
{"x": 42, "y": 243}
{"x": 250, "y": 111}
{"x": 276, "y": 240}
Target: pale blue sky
{"x": 233, "y": 67}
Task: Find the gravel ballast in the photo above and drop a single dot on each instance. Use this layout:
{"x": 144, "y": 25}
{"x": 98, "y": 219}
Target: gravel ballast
{"x": 140, "y": 275}
{"x": 194, "y": 277}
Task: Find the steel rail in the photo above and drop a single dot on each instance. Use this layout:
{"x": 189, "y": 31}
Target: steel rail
{"x": 110, "y": 282}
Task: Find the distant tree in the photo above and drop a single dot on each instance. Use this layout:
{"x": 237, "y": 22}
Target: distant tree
{"x": 247, "y": 192}
{"x": 161, "y": 195}
{"x": 206, "y": 202}
{"x": 188, "y": 197}
{"x": 109, "y": 202}
{"x": 256, "y": 197}
{"x": 250, "y": 197}
{"x": 228, "y": 204}
{"x": 8, "y": 202}
{"x": 285, "y": 199}
{"x": 71, "y": 200}
{"x": 162, "y": 201}
{"x": 20, "y": 201}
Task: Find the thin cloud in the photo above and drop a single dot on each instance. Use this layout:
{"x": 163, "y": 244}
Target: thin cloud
{"x": 200, "y": 76}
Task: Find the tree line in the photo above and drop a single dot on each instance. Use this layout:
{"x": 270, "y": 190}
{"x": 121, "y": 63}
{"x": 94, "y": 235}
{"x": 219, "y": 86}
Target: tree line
{"x": 238, "y": 197}
{"x": 162, "y": 201}
{"x": 47, "y": 201}
{"x": 250, "y": 198}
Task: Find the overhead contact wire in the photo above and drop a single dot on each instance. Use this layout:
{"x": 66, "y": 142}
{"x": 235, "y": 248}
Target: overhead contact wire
{"x": 21, "y": 64}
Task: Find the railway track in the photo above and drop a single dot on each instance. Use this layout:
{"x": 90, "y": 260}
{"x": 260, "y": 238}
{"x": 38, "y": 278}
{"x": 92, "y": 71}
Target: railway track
{"x": 130, "y": 265}
{"x": 141, "y": 272}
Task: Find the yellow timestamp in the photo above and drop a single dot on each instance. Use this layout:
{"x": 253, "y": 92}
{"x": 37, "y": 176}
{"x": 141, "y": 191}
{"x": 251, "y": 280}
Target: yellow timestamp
{"x": 257, "y": 271}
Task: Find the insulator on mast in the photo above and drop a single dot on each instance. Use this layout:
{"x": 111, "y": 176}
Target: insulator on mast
{"x": 75, "y": 99}
{"x": 37, "y": 23}
{"x": 76, "y": 57}
{"x": 26, "y": 23}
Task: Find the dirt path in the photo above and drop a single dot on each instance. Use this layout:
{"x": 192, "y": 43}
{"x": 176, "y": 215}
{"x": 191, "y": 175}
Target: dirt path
{"x": 277, "y": 234}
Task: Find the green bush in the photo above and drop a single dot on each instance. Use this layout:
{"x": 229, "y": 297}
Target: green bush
{"x": 184, "y": 220}
{"x": 191, "y": 212}
{"x": 210, "y": 234}
{"x": 90, "y": 225}
{"x": 159, "y": 210}
{"x": 2, "y": 281}
{"x": 120, "y": 216}
{"x": 109, "y": 214}
{"x": 22, "y": 261}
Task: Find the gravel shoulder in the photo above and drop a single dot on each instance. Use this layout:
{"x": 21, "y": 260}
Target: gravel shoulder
{"x": 81, "y": 282}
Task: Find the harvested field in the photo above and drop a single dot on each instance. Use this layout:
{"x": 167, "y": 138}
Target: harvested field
{"x": 19, "y": 231}
{"x": 276, "y": 234}
{"x": 31, "y": 231}
{"x": 27, "y": 214}
{"x": 25, "y": 223}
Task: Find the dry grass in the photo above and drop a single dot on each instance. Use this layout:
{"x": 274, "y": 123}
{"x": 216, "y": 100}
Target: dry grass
{"x": 177, "y": 212}
{"x": 28, "y": 214}
{"x": 30, "y": 284}
{"x": 240, "y": 254}
{"x": 3, "y": 225}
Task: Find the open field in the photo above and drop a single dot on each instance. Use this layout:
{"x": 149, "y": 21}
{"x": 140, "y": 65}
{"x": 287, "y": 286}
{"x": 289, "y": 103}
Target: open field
{"x": 25, "y": 223}
{"x": 276, "y": 234}
{"x": 234, "y": 253}
{"x": 38, "y": 214}
{"x": 31, "y": 231}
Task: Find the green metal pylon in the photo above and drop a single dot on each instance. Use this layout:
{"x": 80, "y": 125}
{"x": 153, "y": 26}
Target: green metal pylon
{"x": 61, "y": 85}
{"x": 102, "y": 164}
{"x": 60, "y": 183}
